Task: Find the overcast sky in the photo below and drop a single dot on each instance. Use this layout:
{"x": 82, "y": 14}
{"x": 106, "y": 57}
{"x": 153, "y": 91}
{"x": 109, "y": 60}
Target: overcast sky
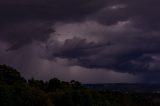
{"x": 93, "y": 41}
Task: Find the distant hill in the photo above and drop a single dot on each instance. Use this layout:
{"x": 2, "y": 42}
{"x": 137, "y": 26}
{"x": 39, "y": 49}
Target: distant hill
{"x": 126, "y": 87}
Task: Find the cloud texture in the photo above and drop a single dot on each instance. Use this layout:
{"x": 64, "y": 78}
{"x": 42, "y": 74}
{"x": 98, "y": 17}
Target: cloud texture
{"x": 112, "y": 35}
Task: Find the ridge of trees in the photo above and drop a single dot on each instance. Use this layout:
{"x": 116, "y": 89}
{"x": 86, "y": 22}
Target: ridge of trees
{"x": 17, "y": 91}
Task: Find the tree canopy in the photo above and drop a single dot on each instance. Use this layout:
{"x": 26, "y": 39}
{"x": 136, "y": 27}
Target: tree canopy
{"x": 16, "y": 91}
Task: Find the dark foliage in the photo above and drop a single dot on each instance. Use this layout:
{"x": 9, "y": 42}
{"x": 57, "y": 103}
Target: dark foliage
{"x": 16, "y": 91}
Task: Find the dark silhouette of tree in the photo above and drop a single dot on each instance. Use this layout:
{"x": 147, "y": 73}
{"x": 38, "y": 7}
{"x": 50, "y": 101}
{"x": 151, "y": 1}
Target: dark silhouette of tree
{"x": 76, "y": 84}
{"x": 10, "y": 75}
{"x": 54, "y": 84}
{"x": 39, "y": 84}
{"x": 15, "y": 91}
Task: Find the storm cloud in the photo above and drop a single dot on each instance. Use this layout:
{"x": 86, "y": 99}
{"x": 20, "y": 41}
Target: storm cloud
{"x": 144, "y": 13}
{"x": 121, "y": 47}
{"x": 116, "y": 36}
{"x": 27, "y": 20}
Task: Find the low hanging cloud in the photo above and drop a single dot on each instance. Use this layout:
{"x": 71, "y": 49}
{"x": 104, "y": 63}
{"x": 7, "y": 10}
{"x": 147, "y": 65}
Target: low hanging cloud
{"x": 23, "y": 21}
{"x": 124, "y": 48}
{"x": 20, "y": 34}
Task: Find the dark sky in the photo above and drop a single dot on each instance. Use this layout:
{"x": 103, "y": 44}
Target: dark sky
{"x": 93, "y": 41}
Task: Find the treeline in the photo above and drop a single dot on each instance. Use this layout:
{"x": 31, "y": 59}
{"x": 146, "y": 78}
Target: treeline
{"x": 16, "y": 91}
